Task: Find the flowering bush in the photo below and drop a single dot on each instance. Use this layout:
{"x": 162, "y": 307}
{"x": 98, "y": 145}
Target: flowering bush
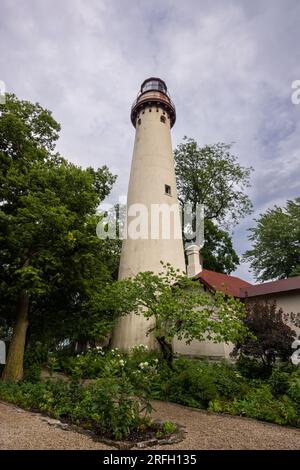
{"x": 93, "y": 364}
{"x": 138, "y": 364}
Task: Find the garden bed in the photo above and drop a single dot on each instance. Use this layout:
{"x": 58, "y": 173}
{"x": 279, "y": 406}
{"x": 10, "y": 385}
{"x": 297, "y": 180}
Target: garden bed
{"x": 108, "y": 410}
{"x": 155, "y": 434}
{"x": 142, "y": 438}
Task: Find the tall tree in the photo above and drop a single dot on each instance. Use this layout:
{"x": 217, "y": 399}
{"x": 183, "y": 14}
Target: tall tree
{"x": 212, "y": 176}
{"x": 45, "y": 204}
{"x": 218, "y": 252}
{"x": 276, "y": 243}
{"x": 73, "y": 307}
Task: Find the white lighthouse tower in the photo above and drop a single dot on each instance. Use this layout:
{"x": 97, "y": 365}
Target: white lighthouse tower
{"x": 152, "y": 186}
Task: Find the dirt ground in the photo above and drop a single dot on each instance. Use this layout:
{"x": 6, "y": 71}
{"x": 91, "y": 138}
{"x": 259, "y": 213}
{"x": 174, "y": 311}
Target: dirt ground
{"x": 24, "y": 430}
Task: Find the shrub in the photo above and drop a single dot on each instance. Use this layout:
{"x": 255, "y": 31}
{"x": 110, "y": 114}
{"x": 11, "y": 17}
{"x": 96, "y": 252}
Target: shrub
{"x": 169, "y": 427}
{"x": 252, "y": 368}
{"x": 139, "y": 366}
{"x": 191, "y": 385}
{"x": 89, "y": 365}
{"x": 229, "y": 382}
{"x": 196, "y": 383}
{"x": 260, "y": 404}
{"x": 271, "y": 337}
{"x": 140, "y": 354}
{"x": 294, "y": 393}
{"x": 109, "y": 406}
{"x": 24, "y": 394}
{"x": 97, "y": 363}
{"x": 279, "y": 382}
{"x": 35, "y": 357}
{"x": 32, "y": 373}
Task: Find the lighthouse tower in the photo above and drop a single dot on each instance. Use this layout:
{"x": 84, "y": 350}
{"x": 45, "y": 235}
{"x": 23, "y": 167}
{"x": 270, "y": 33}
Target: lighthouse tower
{"x": 152, "y": 190}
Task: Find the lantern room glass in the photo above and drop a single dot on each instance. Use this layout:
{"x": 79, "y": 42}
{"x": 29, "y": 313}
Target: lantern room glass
{"x": 154, "y": 85}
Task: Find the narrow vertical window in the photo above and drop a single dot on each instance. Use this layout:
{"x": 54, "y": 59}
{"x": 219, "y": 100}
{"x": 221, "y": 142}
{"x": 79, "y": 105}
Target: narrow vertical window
{"x": 167, "y": 189}
{"x": 163, "y": 118}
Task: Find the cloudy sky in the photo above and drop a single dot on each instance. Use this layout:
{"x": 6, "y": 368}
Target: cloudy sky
{"x": 229, "y": 66}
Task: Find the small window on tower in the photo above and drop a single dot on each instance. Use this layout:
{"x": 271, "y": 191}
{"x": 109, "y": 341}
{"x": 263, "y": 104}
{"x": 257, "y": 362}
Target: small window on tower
{"x": 163, "y": 118}
{"x": 167, "y": 189}
{"x": 139, "y": 122}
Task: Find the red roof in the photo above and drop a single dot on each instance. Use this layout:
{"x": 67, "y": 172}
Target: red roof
{"x": 230, "y": 285}
{"x": 237, "y": 287}
{"x": 273, "y": 287}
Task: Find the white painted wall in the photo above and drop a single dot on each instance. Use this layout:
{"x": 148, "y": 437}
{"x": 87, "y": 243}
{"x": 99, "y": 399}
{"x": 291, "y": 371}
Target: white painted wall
{"x": 203, "y": 349}
{"x": 152, "y": 168}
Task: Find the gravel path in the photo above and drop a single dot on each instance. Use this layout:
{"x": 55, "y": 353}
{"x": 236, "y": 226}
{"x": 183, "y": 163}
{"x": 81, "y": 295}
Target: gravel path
{"x": 23, "y": 430}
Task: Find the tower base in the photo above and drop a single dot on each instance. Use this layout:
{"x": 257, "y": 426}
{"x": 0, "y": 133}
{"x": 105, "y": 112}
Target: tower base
{"x": 131, "y": 330}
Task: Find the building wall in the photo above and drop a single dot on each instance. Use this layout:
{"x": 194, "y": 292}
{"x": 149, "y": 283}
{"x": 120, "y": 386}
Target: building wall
{"x": 288, "y": 301}
{"x": 203, "y": 349}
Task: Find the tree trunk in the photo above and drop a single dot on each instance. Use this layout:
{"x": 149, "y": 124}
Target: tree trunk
{"x": 14, "y": 365}
{"x": 167, "y": 350}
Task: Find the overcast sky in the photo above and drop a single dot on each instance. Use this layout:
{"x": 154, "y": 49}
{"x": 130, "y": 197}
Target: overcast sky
{"x": 229, "y": 66}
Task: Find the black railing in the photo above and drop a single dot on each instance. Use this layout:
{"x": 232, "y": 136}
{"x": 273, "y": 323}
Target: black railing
{"x": 153, "y": 99}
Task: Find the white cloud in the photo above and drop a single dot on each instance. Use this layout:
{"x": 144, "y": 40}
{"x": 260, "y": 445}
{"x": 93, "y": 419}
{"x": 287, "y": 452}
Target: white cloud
{"x": 229, "y": 67}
